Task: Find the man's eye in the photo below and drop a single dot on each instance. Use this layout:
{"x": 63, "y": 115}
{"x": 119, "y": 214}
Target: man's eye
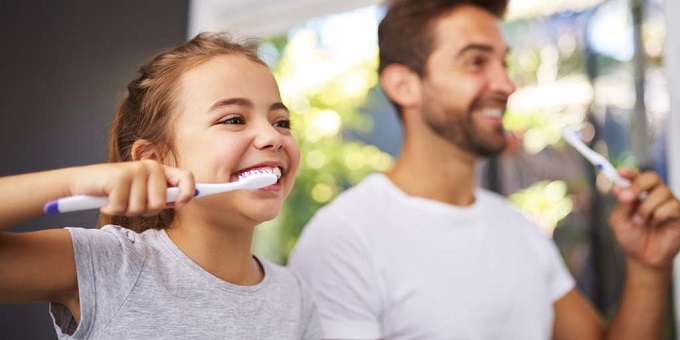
{"x": 284, "y": 123}
{"x": 477, "y": 62}
{"x": 233, "y": 120}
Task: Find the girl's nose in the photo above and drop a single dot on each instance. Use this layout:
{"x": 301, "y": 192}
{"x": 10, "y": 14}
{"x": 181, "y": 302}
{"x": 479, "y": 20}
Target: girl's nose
{"x": 267, "y": 137}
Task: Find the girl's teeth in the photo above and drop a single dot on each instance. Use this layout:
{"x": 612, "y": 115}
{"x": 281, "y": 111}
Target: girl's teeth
{"x": 277, "y": 171}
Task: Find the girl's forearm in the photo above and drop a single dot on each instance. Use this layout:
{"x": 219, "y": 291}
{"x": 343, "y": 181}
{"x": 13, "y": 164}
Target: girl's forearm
{"x": 23, "y": 196}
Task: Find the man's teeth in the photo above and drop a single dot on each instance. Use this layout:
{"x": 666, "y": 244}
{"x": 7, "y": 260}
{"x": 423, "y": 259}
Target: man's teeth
{"x": 493, "y": 113}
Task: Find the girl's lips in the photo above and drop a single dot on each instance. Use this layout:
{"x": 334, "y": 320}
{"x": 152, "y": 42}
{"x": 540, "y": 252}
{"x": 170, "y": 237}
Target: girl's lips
{"x": 276, "y": 187}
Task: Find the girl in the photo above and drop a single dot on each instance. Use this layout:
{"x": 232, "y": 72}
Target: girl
{"x": 206, "y": 111}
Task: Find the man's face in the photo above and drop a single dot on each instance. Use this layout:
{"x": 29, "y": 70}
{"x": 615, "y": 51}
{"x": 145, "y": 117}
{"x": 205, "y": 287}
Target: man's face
{"x": 466, "y": 86}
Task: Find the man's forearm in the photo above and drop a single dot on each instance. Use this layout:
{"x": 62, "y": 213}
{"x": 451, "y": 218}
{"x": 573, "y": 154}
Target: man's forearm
{"x": 643, "y": 303}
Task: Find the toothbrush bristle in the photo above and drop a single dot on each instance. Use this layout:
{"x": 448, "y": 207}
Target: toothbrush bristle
{"x": 252, "y": 172}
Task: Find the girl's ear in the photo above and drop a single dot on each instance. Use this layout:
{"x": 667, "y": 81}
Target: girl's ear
{"x": 143, "y": 149}
{"x": 401, "y": 85}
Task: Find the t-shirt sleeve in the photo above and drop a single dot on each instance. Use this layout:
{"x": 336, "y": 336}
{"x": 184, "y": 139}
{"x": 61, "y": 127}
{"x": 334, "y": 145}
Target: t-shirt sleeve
{"x": 561, "y": 280}
{"x": 333, "y": 260}
{"x": 107, "y": 264}
{"x": 310, "y": 314}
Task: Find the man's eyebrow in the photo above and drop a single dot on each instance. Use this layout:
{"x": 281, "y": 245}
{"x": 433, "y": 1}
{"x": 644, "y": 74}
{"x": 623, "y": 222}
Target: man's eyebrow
{"x": 229, "y": 102}
{"x": 481, "y": 48}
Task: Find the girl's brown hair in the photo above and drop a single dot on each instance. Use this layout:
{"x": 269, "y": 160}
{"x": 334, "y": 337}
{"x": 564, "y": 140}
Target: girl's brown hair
{"x": 147, "y": 110}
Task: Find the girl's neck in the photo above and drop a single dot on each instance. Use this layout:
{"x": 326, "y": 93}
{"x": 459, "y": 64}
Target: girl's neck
{"x": 223, "y": 251}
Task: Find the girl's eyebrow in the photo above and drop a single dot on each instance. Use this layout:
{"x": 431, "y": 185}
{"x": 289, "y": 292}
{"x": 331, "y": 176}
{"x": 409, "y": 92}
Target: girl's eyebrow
{"x": 243, "y": 102}
{"x": 230, "y": 102}
{"x": 279, "y": 106}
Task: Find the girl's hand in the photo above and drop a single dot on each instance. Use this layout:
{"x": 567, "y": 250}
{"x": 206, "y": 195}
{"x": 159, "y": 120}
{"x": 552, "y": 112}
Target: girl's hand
{"x": 646, "y": 220}
{"x": 133, "y": 188}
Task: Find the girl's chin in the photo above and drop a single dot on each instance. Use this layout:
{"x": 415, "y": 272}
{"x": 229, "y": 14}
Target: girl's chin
{"x": 264, "y": 213}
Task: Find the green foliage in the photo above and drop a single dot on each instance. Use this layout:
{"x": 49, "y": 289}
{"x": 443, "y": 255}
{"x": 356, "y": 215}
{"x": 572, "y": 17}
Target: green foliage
{"x": 325, "y": 95}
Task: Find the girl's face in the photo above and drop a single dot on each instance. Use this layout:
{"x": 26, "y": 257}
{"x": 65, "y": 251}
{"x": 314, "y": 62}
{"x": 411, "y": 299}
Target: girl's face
{"x": 231, "y": 119}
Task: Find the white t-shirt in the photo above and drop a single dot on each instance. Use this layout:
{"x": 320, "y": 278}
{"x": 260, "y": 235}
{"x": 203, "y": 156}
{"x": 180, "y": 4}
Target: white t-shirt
{"x": 382, "y": 264}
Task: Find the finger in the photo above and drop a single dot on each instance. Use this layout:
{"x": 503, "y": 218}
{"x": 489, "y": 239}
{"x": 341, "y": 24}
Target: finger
{"x": 621, "y": 192}
{"x": 118, "y": 195}
{"x": 138, "y": 189}
{"x": 667, "y": 211}
{"x": 646, "y": 181}
{"x": 623, "y": 212}
{"x": 640, "y": 186}
{"x": 184, "y": 180}
{"x": 655, "y": 199}
{"x": 156, "y": 190}
{"x": 628, "y": 173}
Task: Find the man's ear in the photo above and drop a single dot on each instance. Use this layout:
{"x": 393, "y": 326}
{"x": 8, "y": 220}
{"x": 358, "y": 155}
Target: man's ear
{"x": 401, "y": 85}
{"x": 143, "y": 149}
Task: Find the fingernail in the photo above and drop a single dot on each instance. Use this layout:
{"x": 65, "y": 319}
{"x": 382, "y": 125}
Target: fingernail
{"x": 627, "y": 195}
{"x": 638, "y": 220}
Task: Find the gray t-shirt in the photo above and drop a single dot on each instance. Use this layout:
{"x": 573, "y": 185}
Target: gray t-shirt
{"x": 142, "y": 286}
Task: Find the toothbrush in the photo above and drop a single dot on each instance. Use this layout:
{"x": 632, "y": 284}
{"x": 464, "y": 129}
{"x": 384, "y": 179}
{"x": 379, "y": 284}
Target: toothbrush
{"x": 573, "y": 137}
{"x": 250, "y": 180}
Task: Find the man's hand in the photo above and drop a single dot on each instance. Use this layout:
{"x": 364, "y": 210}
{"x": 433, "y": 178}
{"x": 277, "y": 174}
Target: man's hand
{"x": 646, "y": 220}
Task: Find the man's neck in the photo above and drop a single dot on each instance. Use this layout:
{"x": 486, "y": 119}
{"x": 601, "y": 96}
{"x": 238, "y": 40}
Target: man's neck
{"x": 447, "y": 177}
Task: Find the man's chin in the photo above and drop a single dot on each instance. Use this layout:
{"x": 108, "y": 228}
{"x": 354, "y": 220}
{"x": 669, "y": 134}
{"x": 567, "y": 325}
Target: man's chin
{"x": 490, "y": 149}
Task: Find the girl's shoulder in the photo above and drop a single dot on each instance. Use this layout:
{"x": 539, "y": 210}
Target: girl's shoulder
{"x": 282, "y": 278}
{"x": 112, "y": 236}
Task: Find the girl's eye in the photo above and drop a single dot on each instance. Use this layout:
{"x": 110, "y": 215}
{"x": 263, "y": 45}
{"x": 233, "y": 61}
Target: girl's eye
{"x": 284, "y": 123}
{"x": 233, "y": 120}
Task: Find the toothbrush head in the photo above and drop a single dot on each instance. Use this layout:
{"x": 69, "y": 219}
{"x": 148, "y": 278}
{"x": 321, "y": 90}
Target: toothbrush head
{"x": 571, "y": 135}
{"x": 257, "y": 178}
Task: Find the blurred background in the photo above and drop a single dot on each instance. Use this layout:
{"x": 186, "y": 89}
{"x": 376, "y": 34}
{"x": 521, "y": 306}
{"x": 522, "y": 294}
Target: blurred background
{"x": 603, "y": 66}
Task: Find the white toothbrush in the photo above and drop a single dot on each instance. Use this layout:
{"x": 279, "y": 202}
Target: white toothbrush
{"x": 573, "y": 137}
{"x": 250, "y": 180}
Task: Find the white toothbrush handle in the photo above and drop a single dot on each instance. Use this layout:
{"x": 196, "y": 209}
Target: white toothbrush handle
{"x": 85, "y": 202}
{"x": 611, "y": 173}
{"x": 258, "y": 180}
{"x": 571, "y": 136}
{"x": 75, "y": 203}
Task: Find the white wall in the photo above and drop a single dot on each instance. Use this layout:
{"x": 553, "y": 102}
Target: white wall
{"x": 673, "y": 70}
{"x": 261, "y": 18}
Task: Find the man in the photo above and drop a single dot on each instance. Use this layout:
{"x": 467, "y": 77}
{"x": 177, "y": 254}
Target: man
{"x": 420, "y": 253}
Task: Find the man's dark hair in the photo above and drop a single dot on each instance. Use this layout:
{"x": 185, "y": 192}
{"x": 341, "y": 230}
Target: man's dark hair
{"x": 405, "y": 34}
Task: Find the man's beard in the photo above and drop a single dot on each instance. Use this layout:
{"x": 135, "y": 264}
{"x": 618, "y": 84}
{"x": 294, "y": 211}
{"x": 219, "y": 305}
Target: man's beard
{"x": 458, "y": 128}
